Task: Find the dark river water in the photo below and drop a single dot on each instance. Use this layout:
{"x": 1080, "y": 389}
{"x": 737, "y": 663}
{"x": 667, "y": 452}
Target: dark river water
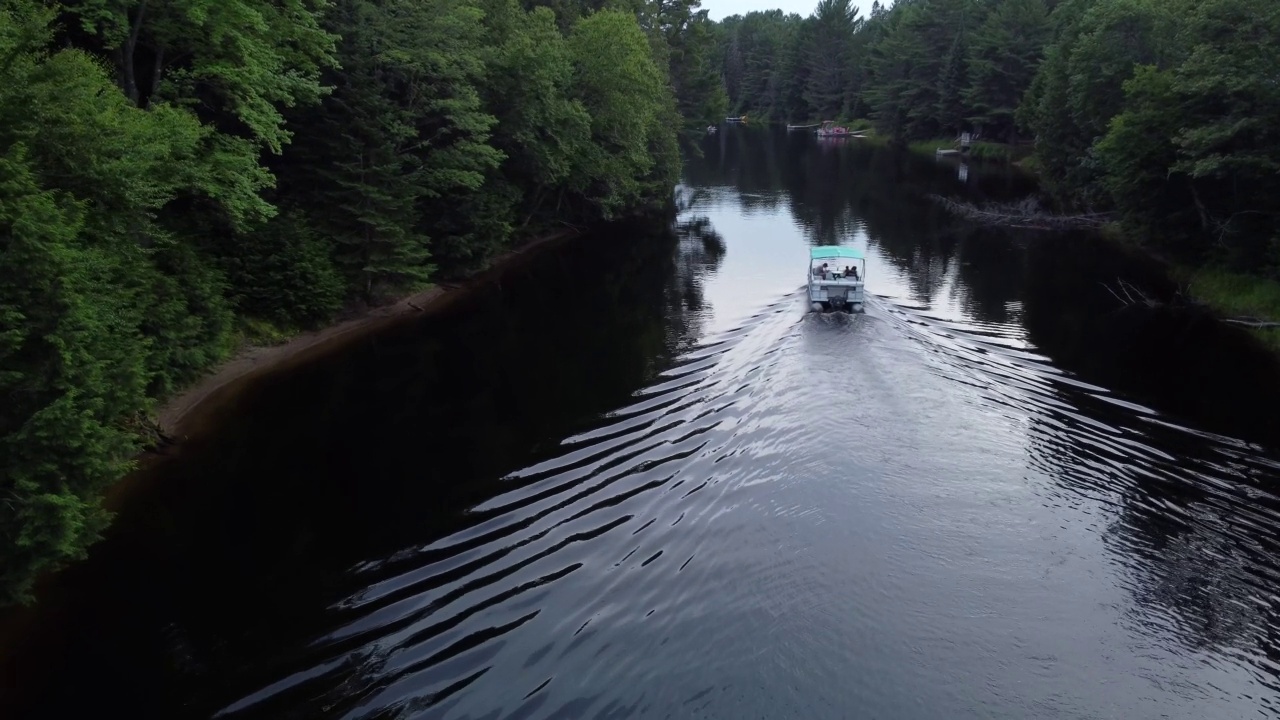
{"x": 633, "y": 477}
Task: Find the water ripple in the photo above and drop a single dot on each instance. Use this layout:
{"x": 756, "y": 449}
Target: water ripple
{"x": 752, "y": 500}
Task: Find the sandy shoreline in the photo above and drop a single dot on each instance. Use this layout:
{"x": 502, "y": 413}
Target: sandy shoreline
{"x": 178, "y": 417}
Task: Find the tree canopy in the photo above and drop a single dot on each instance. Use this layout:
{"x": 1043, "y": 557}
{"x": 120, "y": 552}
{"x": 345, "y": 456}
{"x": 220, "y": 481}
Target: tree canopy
{"x": 176, "y": 173}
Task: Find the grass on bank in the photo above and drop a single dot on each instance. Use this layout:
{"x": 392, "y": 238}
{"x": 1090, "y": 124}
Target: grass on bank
{"x": 981, "y": 150}
{"x": 1229, "y": 294}
{"x": 260, "y": 333}
{"x": 1237, "y": 295}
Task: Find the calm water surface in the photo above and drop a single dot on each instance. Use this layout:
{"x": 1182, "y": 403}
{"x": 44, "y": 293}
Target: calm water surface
{"x": 634, "y": 478}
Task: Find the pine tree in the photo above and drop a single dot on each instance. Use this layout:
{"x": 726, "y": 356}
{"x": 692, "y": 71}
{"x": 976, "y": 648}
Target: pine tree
{"x": 1004, "y": 54}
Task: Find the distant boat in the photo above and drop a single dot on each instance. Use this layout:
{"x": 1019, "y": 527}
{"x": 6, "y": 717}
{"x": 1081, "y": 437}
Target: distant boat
{"x": 736, "y": 119}
{"x": 802, "y": 127}
{"x": 711, "y": 129}
{"x": 828, "y": 128}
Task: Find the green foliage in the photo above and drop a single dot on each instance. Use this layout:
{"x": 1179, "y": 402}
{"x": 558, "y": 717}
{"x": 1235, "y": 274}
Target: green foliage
{"x": 1166, "y": 112}
{"x": 1079, "y": 90}
{"x": 258, "y": 332}
{"x": 242, "y": 59}
{"x": 541, "y": 130}
{"x": 179, "y": 177}
{"x": 1003, "y": 56}
{"x": 1229, "y": 141}
{"x": 71, "y": 371}
{"x": 617, "y": 81}
{"x": 284, "y": 274}
{"x": 389, "y": 147}
{"x": 830, "y": 53}
{"x": 687, "y": 46}
{"x": 1191, "y": 158}
{"x": 1138, "y": 151}
{"x": 103, "y": 307}
{"x": 1236, "y": 294}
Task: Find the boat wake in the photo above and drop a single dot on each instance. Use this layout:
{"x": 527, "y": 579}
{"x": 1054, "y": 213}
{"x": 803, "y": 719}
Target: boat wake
{"x": 597, "y": 524}
{"x": 792, "y": 504}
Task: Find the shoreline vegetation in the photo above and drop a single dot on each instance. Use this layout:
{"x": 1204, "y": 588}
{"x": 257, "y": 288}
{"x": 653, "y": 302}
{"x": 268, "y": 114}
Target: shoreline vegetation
{"x": 187, "y": 415}
{"x": 179, "y": 416}
{"x": 169, "y": 200}
{"x": 1249, "y": 301}
{"x": 1159, "y": 115}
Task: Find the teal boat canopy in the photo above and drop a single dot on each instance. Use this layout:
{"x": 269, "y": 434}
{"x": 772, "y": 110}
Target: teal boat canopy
{"x": 824, "y": 252}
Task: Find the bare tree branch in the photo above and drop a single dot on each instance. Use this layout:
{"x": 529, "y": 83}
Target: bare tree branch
{"x": 1252, "y": 323}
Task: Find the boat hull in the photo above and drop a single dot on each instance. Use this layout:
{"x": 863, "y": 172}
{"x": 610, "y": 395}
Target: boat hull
{"x": 837, "y": 296}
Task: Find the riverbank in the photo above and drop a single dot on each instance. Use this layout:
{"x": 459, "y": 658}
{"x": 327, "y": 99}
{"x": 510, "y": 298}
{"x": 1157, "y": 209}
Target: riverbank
{"x": 1246, "y": 300}
{"x": 181, "y": 416}
{"x": 33, "y": 634}
{"x": 144, "y": 499}
{"x": 187, "y": 415}
{"x": 1237, "y": 298}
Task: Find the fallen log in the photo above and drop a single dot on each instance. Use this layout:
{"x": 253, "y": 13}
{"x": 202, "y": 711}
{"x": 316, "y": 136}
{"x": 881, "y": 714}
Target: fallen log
{"x": 1025, "y": 214}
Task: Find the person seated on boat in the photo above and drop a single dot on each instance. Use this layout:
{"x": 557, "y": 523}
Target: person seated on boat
{"x": 820, "y": 271}
{"x": 851, "y": 273}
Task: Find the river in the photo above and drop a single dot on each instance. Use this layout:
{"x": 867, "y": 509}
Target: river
{"x": 633, "y": 477}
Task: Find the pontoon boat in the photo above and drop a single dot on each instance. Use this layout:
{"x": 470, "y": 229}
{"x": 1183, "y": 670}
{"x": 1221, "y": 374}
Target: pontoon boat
{"x": 836, "y": 277}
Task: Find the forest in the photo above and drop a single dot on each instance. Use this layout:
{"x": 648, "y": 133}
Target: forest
{"x": 178, "y": 176}
{"x": 1165, "y": 113}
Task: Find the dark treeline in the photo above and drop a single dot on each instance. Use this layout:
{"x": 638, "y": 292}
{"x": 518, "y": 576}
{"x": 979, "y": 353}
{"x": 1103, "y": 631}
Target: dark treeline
{"x": 176, "y": 174}
{"x": 1164, "y": 111}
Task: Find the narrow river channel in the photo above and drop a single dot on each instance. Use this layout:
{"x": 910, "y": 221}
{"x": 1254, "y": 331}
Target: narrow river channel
{"x": 635, "y": 478}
